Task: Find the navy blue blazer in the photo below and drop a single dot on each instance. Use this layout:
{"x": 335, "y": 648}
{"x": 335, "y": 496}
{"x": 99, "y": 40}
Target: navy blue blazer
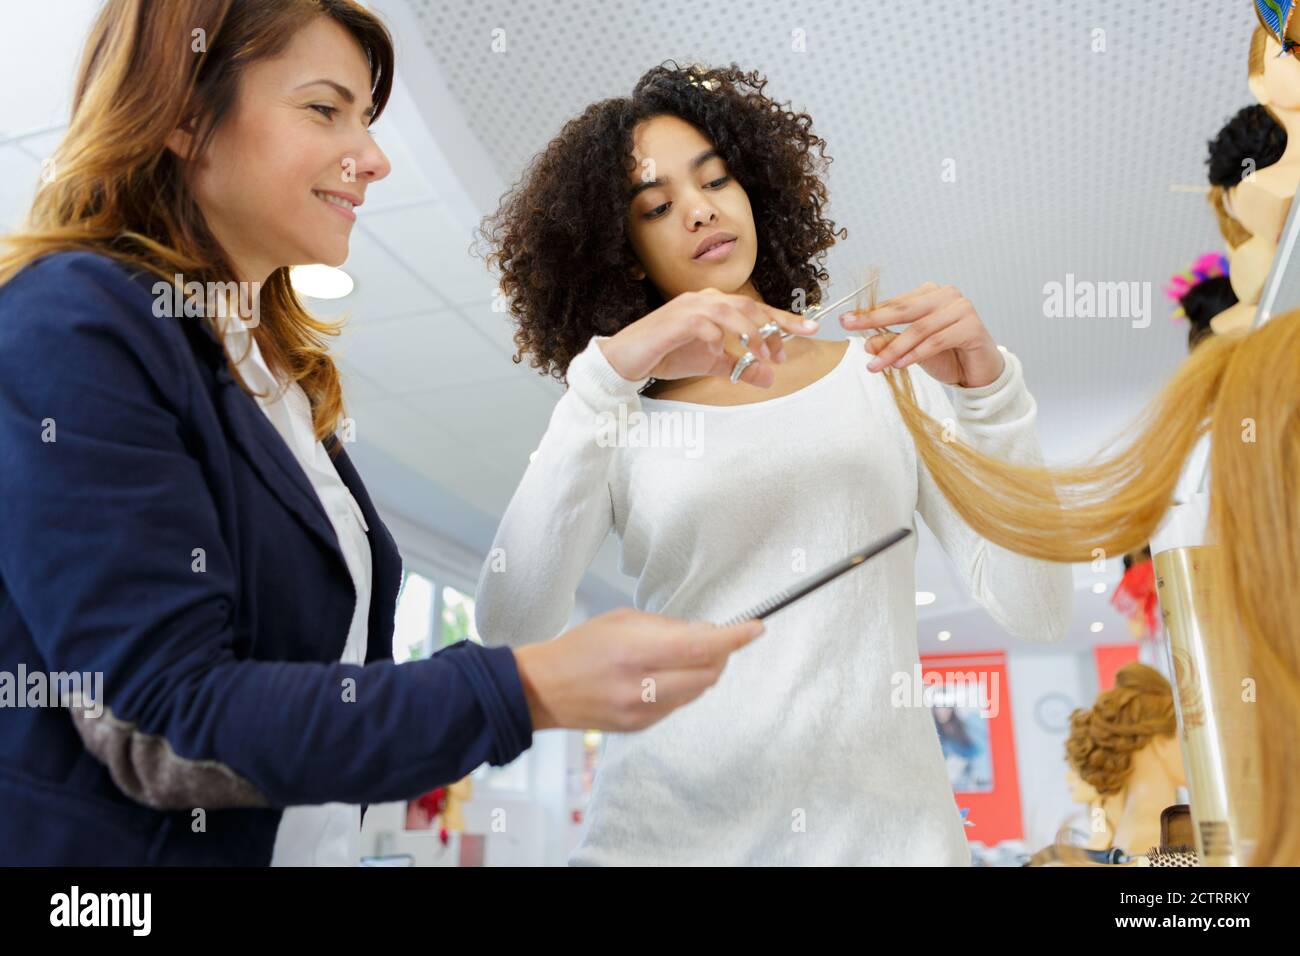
{"x": 156, "y": 531}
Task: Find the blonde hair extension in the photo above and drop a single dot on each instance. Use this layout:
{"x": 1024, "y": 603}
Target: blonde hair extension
{"x": 1244, "y": 389}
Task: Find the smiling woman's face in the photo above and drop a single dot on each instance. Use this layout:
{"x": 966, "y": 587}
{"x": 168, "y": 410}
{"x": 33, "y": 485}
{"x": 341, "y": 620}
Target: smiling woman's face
{"x": 682, "y": 195}
{"x": 298, "y": 132}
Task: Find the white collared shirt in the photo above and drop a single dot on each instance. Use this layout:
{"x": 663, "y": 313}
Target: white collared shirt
{"x": 328, "y": 834}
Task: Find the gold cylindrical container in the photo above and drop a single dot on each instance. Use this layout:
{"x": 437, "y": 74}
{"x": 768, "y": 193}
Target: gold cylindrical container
{"x": 1214, "y": 701}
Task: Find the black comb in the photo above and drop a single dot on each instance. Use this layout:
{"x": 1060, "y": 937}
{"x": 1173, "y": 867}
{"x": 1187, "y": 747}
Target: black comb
{"x": 825, "y": 576}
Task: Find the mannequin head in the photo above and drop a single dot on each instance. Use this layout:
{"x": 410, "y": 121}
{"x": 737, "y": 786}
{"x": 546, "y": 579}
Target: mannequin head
{"x": 1252, "y": 140}
{"x": 1080, "y": 790}
{"x": 1249, "y": 216}
{"x": 1202, "y": 303}
{"x": 1126, "y": 749}
{"x": 1131, "y": 725}
{"x": 1274, "y": 80}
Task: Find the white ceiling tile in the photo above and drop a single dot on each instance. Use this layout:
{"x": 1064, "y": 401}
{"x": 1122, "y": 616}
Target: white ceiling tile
{"x": 418, "y": 440}
{"x": 498, "y": 414}
{"x": 41, "y": 146}
{"x": 413, "y": 438}
{"x": 421, "y": 352}
{"x": 19, "y": 176}
{"x": 438, "y": 248}
{"x": 405, "y": 184}
{"x": 357, "y": 386}
{"x": 40, "y": 46}
{"x": 497, "y": 326}
{"x": 384, "y": 287}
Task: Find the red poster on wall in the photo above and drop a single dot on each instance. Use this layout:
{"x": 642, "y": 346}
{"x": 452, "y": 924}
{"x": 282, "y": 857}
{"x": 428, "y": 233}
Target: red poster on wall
{"x": 971, "y": 704}
{"x": 1110, "y": 658}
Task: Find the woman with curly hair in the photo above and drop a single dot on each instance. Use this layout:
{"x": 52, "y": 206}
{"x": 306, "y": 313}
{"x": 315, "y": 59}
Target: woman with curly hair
{"x": 650, "y": 235}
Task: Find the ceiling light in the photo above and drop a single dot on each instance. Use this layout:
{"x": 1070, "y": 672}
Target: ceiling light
{"x": 924, "y": 597}
{"x": 1096, "y": 627}
{"x": 1099, "y": 588}
{"x": 320, "y": 282}
{"x": 944, "y": 635}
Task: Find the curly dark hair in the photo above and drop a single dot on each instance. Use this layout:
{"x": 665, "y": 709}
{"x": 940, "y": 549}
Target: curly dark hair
{"x": 1252, "y": 133}
{"x": 1202, "y": 302}
{"x": 559, "y": 238}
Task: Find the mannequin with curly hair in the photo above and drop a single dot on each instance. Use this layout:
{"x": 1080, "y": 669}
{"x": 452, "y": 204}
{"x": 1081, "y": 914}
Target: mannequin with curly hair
{"x": 1101, "y": 826}
{"x": 1126, "y": 746}
{"x": 640, "y": 245}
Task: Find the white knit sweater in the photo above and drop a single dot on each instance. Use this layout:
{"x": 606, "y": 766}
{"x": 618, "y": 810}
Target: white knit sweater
{"x": 797, "y": 755}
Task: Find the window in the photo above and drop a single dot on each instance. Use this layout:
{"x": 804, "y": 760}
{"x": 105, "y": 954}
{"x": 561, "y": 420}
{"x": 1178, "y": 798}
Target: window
{"x": 420, "y": 603}
{"x": 458, "y": 617}
{"x": 413, "y": 627}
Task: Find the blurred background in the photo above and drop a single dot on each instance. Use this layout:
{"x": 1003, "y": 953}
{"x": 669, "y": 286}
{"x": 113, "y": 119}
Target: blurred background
{"x": 998, "y": 146}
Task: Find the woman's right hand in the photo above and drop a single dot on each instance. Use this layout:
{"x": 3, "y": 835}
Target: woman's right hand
{"x": 684, "y": 337}
{"x": 625, "y": 669}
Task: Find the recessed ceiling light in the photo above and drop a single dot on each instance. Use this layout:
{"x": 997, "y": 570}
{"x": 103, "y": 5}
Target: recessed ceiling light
{"x": 320, "y": 282}
{"x": 1096, "y": 627}
{"x": 1099, "y": 587}
{"x": 944, "y": 635}
{"x": 924, "y": 597}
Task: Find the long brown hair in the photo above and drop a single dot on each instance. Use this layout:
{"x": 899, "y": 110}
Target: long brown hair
{"x": 1243, "y": 389}
{"x": 147, "y": 69}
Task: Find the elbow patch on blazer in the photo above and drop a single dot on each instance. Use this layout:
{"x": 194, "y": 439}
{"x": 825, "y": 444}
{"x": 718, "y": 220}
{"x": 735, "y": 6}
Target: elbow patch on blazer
{"x": 148, "y": 771}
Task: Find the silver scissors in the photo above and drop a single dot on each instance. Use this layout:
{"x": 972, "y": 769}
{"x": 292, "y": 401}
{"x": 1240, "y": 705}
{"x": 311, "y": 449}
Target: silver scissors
{"x": 813, "y": 313}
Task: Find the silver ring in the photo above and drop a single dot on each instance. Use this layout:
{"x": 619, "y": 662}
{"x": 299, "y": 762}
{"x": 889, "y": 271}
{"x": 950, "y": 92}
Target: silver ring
{"x": 744, "y": 362}
{"x": 763, "y": 332}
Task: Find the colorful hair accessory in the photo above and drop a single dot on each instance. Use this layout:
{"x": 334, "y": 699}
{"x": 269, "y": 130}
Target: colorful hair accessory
{"x": 1212, "y": 265}
{"x": 1136, "y": 598}
{"x": 1275, "y": 15}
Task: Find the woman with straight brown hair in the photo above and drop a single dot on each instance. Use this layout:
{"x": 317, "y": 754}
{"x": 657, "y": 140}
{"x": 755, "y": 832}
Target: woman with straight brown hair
{"x": 180, "y": 528}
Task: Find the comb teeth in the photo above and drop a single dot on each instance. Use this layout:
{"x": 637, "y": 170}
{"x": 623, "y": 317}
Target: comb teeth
{"x": 758, "y": 610}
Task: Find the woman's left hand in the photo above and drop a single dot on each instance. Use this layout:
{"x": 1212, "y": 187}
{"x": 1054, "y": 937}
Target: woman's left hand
{"x": 944, "y": 335}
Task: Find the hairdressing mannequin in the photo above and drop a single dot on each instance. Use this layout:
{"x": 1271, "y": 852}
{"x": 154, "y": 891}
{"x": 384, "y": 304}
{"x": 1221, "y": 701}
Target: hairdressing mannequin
{"x": 1126, "y": 748}
{"x": 1202, "y": 291}
{"x": 1261, "y": 199}
{"x": 1101, "y": 828}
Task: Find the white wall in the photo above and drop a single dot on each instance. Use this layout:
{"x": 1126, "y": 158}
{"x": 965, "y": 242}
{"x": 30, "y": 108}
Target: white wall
{"x": 1040, "y": 753}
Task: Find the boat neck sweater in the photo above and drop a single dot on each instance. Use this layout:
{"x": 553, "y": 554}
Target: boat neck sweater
{"x": 805, "y": 751}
